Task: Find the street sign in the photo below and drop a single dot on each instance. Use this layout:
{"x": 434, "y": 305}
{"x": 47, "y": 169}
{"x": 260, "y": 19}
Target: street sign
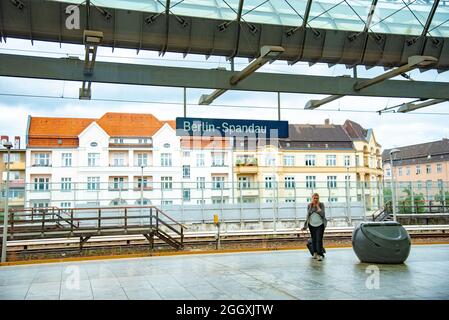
{"x": 231, "y": 128}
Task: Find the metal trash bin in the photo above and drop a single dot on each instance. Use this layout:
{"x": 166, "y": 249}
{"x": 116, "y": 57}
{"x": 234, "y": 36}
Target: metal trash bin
{"x": 381, "y": 242}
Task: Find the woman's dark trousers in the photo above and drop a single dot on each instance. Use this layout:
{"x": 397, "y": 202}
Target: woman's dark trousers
{"x": 317, "y": 238}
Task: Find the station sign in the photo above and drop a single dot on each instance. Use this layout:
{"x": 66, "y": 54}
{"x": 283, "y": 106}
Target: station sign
{"x": 231, "y": 128}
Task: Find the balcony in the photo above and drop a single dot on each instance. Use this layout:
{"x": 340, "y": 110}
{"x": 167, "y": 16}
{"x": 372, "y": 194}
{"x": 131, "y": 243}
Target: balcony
{"x": 16, "y": 166}
{"x": 247, "y": 165}
{"x": 248, "y": 192}
{"x": 18, "y": 183}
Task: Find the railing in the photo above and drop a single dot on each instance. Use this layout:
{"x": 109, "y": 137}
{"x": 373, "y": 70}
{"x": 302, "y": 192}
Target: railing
{"x": 150, "y": 221}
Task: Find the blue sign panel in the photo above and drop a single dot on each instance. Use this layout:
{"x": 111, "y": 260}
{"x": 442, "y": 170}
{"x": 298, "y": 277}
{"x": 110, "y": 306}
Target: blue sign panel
{"x": 231, "y": 128}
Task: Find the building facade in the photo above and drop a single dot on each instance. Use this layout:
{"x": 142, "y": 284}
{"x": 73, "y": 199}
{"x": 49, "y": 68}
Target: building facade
{"x": 129, "y": 159}
{"x": 340, "y": 162}
{"x": 119, "y": 159}
{"x": 16, "y": 174}
{"x": 419, "y": 169}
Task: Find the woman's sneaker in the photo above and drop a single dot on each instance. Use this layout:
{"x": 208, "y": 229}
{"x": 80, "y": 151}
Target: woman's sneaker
{"x": 320, "y": 258}
{"x": 315, "y": 256}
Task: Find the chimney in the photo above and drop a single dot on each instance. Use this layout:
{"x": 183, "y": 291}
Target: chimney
{"x": 326, "y": 122}
{"x": 17, "y": 142}
{"x": 4, "y": 139}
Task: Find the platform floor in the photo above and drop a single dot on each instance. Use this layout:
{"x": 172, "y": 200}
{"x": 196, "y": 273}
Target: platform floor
{"x": 274, "y": 275}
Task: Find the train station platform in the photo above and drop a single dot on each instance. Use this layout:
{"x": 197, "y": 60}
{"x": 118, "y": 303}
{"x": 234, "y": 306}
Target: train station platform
{"x": 274, "y": 275}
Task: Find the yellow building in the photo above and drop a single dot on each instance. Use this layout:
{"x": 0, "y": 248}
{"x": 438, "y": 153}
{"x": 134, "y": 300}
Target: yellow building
{"x": 16, "y": 175}
{"x": 340, "y": 162}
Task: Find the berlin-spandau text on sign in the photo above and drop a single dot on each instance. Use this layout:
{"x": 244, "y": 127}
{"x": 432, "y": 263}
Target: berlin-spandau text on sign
{"x": 231, "y": 128}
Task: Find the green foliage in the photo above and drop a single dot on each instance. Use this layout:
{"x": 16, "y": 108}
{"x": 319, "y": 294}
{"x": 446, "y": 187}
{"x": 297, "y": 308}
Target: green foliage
{"x": 405, "y": 206}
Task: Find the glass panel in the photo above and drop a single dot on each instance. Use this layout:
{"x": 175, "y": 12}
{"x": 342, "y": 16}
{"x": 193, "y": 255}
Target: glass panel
{"x": 341, "y": 15}
{"x": 390, "y": 16}
{"x": 395, "y": 17}
{"x": 440, "y": 22}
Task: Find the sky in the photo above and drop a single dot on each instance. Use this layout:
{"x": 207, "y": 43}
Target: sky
{"x": 60, "y": 98}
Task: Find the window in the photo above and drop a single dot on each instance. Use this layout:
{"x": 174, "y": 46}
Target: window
{"x": 289, "y": 182}
{"x": 167, "y": 202}
{"x": 331, "y": 181}
{"x": 200, "y": 160}
{"x": 270, "y": 160}
{"x": 146, "y": 184}
{"x": 388, "y": 172}
{"x": 118, "y": 140}
{"x": 66, "y": 159}
{"x": 40, "y": 204}
{"x": 407, "y": 170}
{"x": 93, "y": 159}
{"x": 429, "y": 184}
{"x": 186, "y": 172}
{"x": 331, "y": 160}
{"x": 186, "y": 194}
{"x": 419, "y": 184}
{"x": 400, "y": 171}
{"x": 66, "y": 184}
{"x": 332, "y": 199}
{"x": 244, "y": 183}
{"x": 347, "y": 161}
{"x": 219, "y": 200}
{"x": 268, "y": 200}
{"x": 166, "y": 145}
{"x": 310, "y": 160}
{"x": 201, "y": 183}
{"x": 418, "y": 169}
{"x": 290, "y": 200}
{"x": 428, "y": 168}
{"x": 118, "y": 159}
{"x": 93, "y": 183}
{"x": 311, "y": 182}
{"x": 142, "y": 159}
{"x": 13, "y": 175}
{"x": 143, "y": 202}
{"x": 439, "y": 168}
{"x": 440, "y": 184}
{"x": 41, "y": 183}
{"x": 143, "y": 141}
{"x": 217, "y": 183}
{"x": 118, "y": 183}
{"x": 217, "y": 159}
{"x": 167, "y": 183}
{"x": 66, "y": 204}
{"x": 166, "y": 160}
{"x": 201, "y": 201}
{"x": 289, "y": 161}
{"x": 357, "y": 160}
{"x": 269, "y": 182}
{"x": 42, "y": 159}
{"x": 348, "y": 180}
{"x": 186, "y": 154}
{"x": 14, "y": 157}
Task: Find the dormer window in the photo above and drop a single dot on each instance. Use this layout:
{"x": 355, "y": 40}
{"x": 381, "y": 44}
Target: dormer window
{"x": 143, "y": 141}
{"x": 93, "y": 144}
{"x": 166, "y": 145}
{"x": 118, "y": 140}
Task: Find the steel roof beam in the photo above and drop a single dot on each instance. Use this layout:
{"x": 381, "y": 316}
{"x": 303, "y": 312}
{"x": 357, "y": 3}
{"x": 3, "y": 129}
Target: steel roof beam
{"x": 413, "y": 63}
{"x": 430, "y": 18}
{"x": 136, "y": 74}
{"x": 407, "y": 107}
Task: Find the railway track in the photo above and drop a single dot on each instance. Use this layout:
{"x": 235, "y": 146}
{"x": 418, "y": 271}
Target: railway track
{"x": 63, "y": 247}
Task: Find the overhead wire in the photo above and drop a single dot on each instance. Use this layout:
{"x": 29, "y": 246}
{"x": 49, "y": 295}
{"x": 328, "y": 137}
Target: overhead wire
{"x": 199, "y": 106}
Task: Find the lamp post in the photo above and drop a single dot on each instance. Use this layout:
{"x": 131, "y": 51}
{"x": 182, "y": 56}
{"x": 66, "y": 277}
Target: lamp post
{"x": 7, "y": 145}
{"x": 141, "y": 194}
{"x": 393, "y": 187}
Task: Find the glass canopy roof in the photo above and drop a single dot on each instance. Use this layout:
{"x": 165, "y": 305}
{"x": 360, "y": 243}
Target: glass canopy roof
{"x": 390, "y": 16}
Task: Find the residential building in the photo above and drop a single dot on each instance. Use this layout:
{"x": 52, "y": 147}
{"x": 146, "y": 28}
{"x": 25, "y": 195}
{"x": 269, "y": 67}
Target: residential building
{"x": 16, "y": 174}
{"x": 118, "y": 159}
{"x": 420, "y": 168}
{"x": 341, "y": 162}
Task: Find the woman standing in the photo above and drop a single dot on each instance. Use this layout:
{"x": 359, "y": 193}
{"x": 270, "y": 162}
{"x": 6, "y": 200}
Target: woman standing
{"x": 316, "y": 221}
